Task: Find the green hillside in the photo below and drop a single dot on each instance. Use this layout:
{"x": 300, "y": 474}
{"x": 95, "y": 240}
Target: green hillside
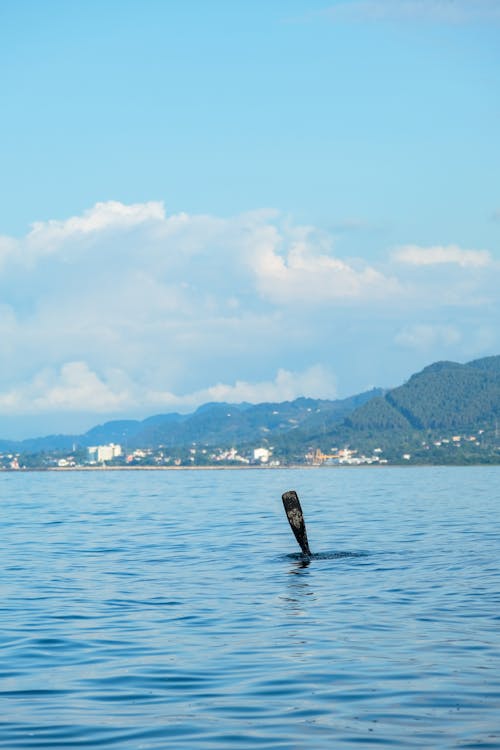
{"x": 449, "y": 396}
{"x": 213, "y": 424}
{"x": 448, "y": 413}
{"x": 444, "y": 400}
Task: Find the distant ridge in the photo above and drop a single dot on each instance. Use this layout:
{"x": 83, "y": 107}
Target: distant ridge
{"x": 444, "y": 395}
{"x": 211, "y": 424}
{"x": 442, "y": 398}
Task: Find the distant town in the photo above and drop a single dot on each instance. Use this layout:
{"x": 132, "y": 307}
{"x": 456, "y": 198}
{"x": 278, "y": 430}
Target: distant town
{"x": 446, "y": 414}
{"x": 450, "y": 449}
{"x": 113, "y": 455}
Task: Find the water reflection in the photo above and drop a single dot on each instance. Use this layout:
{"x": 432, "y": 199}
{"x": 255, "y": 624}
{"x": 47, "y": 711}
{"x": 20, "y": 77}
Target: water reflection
{"x": 299, "y": 602}
{"x": 299, "y": 587}
{"x": 303, "y": 562}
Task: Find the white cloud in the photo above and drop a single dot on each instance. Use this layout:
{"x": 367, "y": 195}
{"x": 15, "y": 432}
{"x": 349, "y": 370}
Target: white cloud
{"x": 426, "y": 336}
{"x": 74, "y": 388}
{"x": 316, "y": 382}
{"x": 7, "y": 247}
{"x": 428, "y": 256}
{"x": 130, "y": 308}
{"x": 102, "y": 216}
{"x": 306, "y": 272}
{"x": 168, "y": 302}
{"x": 434, "y": 11}
{"x": 66, "y": 237}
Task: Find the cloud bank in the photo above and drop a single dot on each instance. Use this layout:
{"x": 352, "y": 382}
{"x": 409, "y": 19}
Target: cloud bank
{"x": 430, "y": 256}
{"x": 127, "y": 309}
{"x": 74, "y": 387}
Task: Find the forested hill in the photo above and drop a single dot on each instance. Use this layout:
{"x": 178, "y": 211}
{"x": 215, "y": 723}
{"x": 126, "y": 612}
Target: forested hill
{"x": 445, "y": 397}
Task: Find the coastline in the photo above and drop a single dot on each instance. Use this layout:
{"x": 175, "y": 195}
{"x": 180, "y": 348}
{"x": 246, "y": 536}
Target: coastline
{"x": 154, "y": 468}
{"x": 66, "y": 469}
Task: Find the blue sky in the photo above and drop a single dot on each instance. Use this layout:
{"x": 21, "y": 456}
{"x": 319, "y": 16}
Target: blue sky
{"x": 233, "y": 201}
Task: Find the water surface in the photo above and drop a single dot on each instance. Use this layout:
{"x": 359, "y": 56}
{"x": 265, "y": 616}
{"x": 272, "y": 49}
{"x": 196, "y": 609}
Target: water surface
{"x": 173, "y": 609}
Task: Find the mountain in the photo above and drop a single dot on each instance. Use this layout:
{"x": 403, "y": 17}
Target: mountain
{"x": 444, "y": 396}
{"x": 226, "y": 424}
{"x": 213, "y": 424}
{"x": 443, "y": 399}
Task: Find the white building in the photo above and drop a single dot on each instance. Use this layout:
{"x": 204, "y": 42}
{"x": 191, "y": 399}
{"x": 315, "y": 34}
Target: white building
{"x": 262, "y": 455}
{"x": 101, "y": 453}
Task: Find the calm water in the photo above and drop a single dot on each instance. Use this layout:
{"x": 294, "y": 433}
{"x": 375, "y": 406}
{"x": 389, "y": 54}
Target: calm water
{"x": 170, "y": 609}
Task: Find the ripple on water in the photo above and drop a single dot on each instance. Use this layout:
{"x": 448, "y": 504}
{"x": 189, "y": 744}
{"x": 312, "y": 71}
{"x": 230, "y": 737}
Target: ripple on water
{"x": 153, "y": 609}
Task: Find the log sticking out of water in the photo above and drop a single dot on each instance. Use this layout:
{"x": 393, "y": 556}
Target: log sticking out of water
{"x": 296, "y": 519}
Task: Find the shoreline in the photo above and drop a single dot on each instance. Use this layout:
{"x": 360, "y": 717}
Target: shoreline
{"x": 63, "y": 469}
{"x": 154, "y": 468}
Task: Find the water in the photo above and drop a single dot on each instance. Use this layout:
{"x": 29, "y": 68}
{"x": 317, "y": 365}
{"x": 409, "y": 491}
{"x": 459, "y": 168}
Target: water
{"x": 171, "y": 609}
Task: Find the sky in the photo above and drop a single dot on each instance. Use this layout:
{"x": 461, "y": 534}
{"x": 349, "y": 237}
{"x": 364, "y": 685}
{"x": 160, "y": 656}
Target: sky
{"x": 225, "y": 201}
